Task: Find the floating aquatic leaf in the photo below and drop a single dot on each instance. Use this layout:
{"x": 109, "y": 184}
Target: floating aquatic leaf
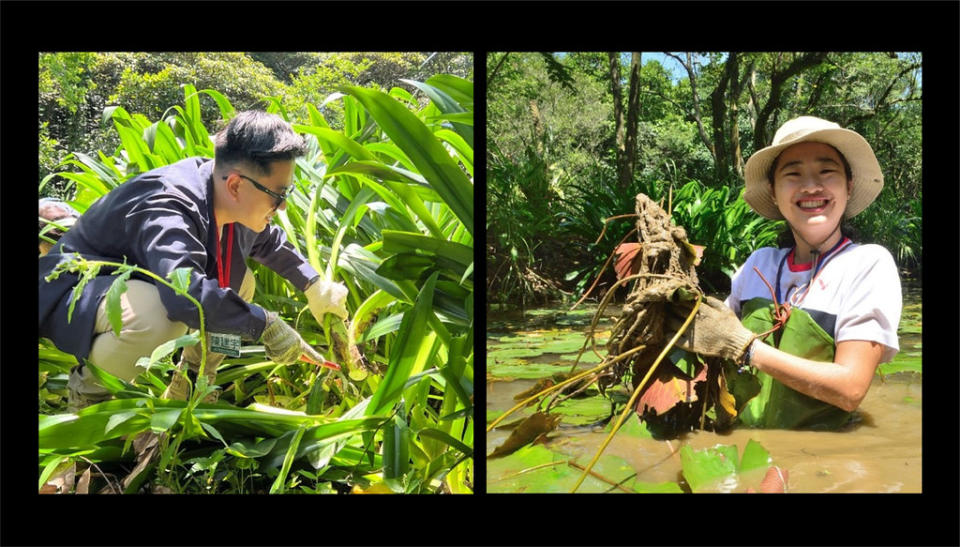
{"x": 501, "y": 355}
{"x": 719, "y": 468}
{"x": 537, "y": 469}
{"x": 755, "y": 456}
{"x": 775, "y": 481}
{"x": 710, "y": 467}
{"x": 589, "y": 410}
{"x": 524, "y": 370}
{"x": 587, "y": 357}
{"x": 902, "y": 363}
{"x": 530, "y": 469}
{"x": 565, "y": 345}
{"x": 529, "y": 338}
{"x": 633, "y": 426}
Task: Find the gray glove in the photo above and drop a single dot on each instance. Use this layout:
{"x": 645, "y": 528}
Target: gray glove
{"x": 715, "y": 331}
{"x": 283, "y": 345}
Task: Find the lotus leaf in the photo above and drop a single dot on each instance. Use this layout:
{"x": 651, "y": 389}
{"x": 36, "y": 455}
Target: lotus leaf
{"x": 588, "y": 357}
{"x": 719, "y": 468}
{"x": 908, "y": 362}
{"x": 523, "y": 370}
{"x": 536, "y": 469}
{"x": 501, "y": 355}
{"x": 585, "y": 411}
{"x": 633, "y": 426}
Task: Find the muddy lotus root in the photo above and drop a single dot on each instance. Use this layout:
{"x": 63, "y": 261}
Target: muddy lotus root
{"x": 664, "y": 263}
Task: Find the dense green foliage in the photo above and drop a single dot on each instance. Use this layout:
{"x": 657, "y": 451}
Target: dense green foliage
{"x": 384, "y": 204}
{"x": 573, "y": 137}
{"x": 76, "y": 87}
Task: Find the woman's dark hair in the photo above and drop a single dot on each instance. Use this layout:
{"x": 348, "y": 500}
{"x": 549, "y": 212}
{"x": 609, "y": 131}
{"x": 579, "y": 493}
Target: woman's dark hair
{"x": 846, "y": 166}
{"x": 785, "y": 239}
{"x": 258, "y": 139}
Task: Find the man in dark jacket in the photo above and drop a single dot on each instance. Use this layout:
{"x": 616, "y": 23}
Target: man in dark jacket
{"x": 208, "y": 215}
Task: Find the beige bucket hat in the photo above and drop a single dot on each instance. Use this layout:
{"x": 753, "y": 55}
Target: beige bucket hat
{"x": 867, "y": 177}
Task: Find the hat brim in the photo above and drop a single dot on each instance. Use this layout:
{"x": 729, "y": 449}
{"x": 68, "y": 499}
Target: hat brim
{"x": 867, "y": 178}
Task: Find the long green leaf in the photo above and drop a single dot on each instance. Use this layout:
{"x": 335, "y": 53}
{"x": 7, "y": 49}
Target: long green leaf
{"x": 403, "y": 242}
{"x": 464, "y": 150}
{"x": 114, "y": 310}
{"x": 347, "y": 221}
{"x": 423, "y": 148}
{"x": 446, "y": 104}
{"x": 169, "y": 347}
{"x": 460, "y": 89}
{"x": 396, "y": 448}
{"x": 50, "y": 468}
{"x": 277, "y": 486}
{"x": 336, "y": 140}
{"x": 226, "y": 109}
{"x": 413, "y": 330}
{"x": 446, "y": 439}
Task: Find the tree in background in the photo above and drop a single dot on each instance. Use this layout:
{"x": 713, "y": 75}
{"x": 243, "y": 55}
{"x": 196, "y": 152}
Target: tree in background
{"x": 76, "y": 87}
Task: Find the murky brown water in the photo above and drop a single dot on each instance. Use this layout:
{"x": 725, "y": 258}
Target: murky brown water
{"x": 882, "y": 453}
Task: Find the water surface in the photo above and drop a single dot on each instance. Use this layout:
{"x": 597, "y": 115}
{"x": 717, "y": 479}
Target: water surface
{"x": 881, "y": 453}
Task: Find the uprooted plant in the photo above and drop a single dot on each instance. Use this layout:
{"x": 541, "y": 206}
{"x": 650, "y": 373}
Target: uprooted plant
{"x": 673, "y": 390}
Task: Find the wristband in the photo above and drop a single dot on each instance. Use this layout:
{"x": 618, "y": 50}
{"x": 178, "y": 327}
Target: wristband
{"x": 747, "y": 356}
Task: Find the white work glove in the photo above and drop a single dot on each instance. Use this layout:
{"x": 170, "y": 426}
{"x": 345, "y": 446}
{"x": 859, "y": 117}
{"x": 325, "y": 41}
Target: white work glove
{"x": 282, "y": 344}
{"x": 326, "y": 297}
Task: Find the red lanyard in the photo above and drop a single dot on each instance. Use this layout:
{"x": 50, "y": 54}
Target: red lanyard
{"x": 818, "y": 265}
{"x": 223, "y": 272}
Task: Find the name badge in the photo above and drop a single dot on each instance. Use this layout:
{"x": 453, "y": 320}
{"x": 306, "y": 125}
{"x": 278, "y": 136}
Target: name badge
{"x": 227, "y": 344}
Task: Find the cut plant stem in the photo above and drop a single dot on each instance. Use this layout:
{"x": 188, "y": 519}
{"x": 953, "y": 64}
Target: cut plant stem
{"x": 344, "y": 350}
{"x": 325, "y": 363}
{"x": 529, "y": 469}
{"x": 636, "y": 392}
{"x": 601, "y": 477}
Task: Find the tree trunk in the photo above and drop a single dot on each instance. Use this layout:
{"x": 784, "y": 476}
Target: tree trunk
{"x": 626, "y": 130}
{"x": 718, "y": 100}
{"x": 735, "y": 91}
{"x": 777, "y": 80}
{"x": 688, "y": 64}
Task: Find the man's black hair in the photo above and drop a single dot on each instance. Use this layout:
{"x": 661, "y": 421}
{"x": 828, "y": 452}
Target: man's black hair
{"x": 257, "y": 138}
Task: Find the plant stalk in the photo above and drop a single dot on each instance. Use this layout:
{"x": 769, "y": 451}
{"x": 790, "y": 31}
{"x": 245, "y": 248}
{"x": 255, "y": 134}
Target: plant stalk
{"x": 636, "y": 392}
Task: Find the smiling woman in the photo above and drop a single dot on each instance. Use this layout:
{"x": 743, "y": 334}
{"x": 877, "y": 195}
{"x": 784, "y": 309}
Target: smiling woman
{"x": 827, "y": 307}
{"x": 811, "y": 190}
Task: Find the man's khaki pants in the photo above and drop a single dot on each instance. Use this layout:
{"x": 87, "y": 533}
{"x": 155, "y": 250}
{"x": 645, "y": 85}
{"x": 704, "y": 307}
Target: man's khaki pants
{"x": 145, "y": 326}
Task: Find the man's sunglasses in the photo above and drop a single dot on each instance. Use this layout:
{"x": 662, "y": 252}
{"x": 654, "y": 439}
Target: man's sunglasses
{"x": 280, "y": 198}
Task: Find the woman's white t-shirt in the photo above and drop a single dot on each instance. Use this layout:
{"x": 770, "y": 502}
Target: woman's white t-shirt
{"x": 855, "y": 296}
